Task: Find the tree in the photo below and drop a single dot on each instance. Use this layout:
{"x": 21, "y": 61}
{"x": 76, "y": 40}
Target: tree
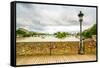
{"x": 89, "y": 32}
{"x": 20, "y": 32}
{"x": 23, "y": 33}
{"x": 60, "y": 34}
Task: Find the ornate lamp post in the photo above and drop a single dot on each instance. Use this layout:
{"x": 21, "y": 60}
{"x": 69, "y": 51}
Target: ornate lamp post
{"x": 81, "y": 47}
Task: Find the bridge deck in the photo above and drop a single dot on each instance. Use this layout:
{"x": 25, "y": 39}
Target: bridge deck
{"x": 25, "y": 60}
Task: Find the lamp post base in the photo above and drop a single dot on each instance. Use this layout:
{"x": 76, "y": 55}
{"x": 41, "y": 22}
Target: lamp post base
{"x": 81, "y": 52}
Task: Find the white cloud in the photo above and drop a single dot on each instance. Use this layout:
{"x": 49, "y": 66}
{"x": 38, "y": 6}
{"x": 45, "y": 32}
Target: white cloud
{"x": 53, "y": 29}
{"x": 50, "y": 19}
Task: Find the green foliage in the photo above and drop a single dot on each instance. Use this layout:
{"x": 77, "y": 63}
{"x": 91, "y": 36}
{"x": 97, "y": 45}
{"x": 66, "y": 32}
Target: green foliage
{"x": 23, "y": 33}
{"x": 89, "y": 32}
{"x": 20, "y": 32}
{"x": 61, "y": 34}
{"x": 93, "y": 29}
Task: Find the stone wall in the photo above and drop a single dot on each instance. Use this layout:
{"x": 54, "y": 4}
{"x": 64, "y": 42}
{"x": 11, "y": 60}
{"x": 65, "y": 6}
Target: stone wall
{"x": 53, "y": 48}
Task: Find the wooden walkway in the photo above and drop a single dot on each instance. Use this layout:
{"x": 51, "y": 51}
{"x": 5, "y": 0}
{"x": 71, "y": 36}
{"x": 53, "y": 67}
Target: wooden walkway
{"x": 53, "y": 59}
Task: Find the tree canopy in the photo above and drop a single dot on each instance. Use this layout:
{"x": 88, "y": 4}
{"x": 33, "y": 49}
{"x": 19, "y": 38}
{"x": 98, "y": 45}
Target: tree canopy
{"x": 89, "y": 32}
{"x": 61, "y": 34}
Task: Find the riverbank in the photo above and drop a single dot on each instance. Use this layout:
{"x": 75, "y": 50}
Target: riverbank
{"x": 46, "y": 39}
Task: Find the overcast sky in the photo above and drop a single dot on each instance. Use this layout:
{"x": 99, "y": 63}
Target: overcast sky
{"x": 53, "y": 18}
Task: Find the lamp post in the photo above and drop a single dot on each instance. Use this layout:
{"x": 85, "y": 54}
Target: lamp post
{"x": 81, "y": 47}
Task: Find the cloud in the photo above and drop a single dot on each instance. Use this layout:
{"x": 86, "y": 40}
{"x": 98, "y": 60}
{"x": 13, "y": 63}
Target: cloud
{"x": 53, "y": 18}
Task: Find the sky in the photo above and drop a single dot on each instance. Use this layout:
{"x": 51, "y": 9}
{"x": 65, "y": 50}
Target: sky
{"x": 53, "y": 18}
